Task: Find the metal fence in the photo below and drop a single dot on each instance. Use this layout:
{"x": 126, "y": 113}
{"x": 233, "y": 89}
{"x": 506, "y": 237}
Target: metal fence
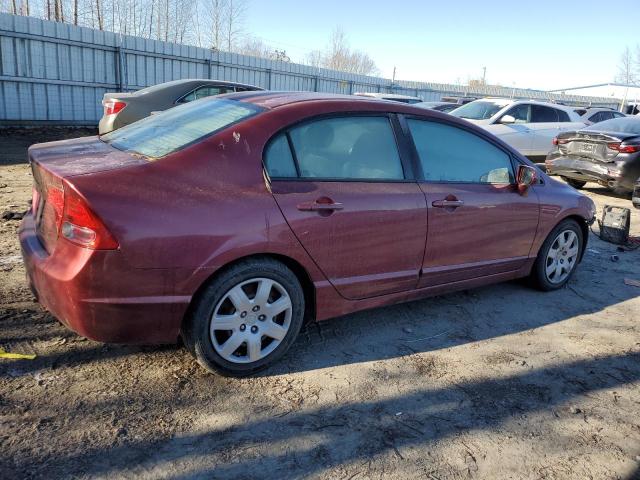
{"x": 56, "y": 73}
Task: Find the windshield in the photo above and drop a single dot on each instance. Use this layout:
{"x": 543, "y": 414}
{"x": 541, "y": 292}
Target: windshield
{"x": 478, "y": 110}
{"x": 618, "y": 125}
{"x": 178, "y": 127}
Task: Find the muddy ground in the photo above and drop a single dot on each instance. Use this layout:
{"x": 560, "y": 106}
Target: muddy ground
{"x": 499, "y": 382}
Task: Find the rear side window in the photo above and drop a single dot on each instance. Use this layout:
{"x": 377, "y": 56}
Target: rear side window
{"x": 278, "y": 159}
{"x": 451, "y": 154}
{"x": 204, "y": 92}
{"x": 563, "y": 116}
{"x": 178, "y": 127}
{"x": 353, "y": 148}
{"x": 540, "y": 114}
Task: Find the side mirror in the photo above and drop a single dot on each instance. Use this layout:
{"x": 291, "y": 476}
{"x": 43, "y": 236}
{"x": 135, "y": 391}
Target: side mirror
{"x": 526, "y": 177}
{"x": 507, "y": 119}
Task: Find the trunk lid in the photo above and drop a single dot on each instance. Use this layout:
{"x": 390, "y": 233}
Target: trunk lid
{"x": 54, "y": 164}
{"x": 591, "y": 145}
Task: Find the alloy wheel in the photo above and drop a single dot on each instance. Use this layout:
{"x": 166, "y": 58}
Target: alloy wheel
{"x": 251, "y": 320}
{"x": 562, "y": 256}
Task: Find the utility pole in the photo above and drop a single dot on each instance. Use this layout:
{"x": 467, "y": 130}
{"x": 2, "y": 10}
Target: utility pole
{"x": 393, "y": 77}
{"x": 484, "y": 75}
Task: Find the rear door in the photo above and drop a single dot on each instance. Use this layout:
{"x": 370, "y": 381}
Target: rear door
{"x": 546, "y": 123}
{"x": 351, "y": 201}
{"x": 479, "y": 224}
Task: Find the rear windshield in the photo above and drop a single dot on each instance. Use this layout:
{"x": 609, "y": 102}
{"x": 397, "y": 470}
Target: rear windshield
{"x": 618, "y": 125}
{"x": 168, "y": 131}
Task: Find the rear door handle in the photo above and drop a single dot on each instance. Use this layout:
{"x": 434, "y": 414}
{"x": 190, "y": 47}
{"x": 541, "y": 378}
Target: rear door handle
{"x": 319, "y": 206}
{"x": 447, "y": 203}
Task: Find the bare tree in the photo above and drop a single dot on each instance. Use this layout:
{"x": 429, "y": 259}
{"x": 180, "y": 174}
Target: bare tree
{"x": 236, "y": 11}
{"x": 626, "y": 69}
{"x": 339, "y": 56}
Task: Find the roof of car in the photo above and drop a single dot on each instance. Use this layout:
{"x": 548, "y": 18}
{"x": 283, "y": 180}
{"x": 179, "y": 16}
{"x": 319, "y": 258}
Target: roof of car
{"x": 507, "y": 101}
{"x": 390, "y": 96}
{"x": 271, "y": 99}
{"x": 192, "y": 82}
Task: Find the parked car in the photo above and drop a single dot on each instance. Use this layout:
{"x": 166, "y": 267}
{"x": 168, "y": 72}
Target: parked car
{"x": 593, "y": 115}
{"x": 459, "y": 100}
{"x": 121, "y": 109}
{"x": 390, "y": 96}
{"x": 527, "y": 125}
{"x": 445, "y": 107}
{"x": 607, "y": 153}
{"x": 231, "y": 219}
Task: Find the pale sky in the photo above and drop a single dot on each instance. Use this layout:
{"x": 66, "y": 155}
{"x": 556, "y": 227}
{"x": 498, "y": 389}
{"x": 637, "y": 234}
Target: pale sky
{"x": 528, "y": 43}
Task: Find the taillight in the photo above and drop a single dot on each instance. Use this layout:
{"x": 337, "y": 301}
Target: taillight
{"x": 83, "y": 227}
{"x": 618, "y": 147}
{"x": 55, "y": 201}
{"x": 560, "y": 141}
{"x": 111, "y": 107}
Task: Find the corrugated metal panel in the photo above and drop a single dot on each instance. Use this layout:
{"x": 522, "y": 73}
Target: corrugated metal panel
{"x": 58, "y": 72}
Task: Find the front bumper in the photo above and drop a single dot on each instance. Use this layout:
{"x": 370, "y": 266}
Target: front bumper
{"x": 582, "y": 169}
{"x": 98, "y": 295}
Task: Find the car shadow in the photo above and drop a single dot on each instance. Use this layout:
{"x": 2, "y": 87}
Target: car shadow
{"x": 308, "y": 442}
{"x": 606, "y": 192}
{"x": 446, "y": 321}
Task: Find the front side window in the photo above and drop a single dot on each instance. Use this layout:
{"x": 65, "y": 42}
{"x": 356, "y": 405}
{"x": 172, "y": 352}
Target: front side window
{"x": 451, "y": 154}
{"x": 355, "y": 148}
{"x": 520, "y": 113}
{"x": 541, "y": 114}
{"x": 158, "y": 135}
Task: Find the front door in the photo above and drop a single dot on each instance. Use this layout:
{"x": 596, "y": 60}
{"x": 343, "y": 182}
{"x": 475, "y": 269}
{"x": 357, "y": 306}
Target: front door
{"x": 517, "y": 134}
{"x": 341, "y": 186}
{"x": 479, "y": 224}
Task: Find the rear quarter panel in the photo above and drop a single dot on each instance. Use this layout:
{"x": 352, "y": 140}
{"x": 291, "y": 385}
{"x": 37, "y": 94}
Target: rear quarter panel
{"x": 559, "y": 201}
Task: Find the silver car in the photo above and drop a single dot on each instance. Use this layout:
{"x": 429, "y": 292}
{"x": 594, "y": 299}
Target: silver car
{"x": 121, "y": 109}
{"x": 591, "y": 115}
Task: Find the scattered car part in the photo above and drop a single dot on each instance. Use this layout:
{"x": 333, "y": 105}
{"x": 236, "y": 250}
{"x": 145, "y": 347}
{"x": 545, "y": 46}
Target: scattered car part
{"x": 615, "y": 224}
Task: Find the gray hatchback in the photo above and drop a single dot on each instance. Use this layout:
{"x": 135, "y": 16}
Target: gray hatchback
{"x": 121, "y": 109}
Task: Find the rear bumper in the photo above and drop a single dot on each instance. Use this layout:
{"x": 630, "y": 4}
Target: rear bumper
{"x": 584, "y": 170}
{"x": 97, "y": 295}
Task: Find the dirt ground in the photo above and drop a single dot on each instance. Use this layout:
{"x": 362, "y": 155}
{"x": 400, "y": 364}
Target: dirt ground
{"x": 498, "y": 382}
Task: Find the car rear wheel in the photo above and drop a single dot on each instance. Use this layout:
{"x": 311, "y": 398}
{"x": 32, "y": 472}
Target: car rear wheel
{"x": 558, "y": 257}
{"x": 246, "y": 318}
{"x": 577, "y": 184}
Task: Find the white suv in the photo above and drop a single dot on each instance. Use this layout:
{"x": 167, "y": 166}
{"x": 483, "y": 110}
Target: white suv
{"x": 527, "y": 125}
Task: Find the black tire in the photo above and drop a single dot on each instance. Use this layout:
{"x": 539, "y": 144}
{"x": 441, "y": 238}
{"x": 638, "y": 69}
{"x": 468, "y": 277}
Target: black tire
{"x": 195, "y": 331}
{"x": 577, "y": 184}
{"x": 538, "y": 275}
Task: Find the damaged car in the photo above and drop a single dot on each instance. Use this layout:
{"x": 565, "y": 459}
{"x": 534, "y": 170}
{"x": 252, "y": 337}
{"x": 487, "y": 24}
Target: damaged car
{"x": 231, "y": 220}
{"x": 607, "y": 153}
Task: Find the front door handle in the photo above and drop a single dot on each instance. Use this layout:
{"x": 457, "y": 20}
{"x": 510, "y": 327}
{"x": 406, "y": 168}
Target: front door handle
{"x": 320, "y": 206}
{"x": 447, "y": 203}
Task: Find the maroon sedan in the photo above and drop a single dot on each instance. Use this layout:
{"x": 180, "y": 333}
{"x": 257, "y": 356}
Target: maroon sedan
{"x": 230, "y": 220}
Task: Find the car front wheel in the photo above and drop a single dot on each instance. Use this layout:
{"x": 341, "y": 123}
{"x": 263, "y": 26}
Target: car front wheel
{"x": 558, "y": 257}
{"x": 246, "y": 318}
